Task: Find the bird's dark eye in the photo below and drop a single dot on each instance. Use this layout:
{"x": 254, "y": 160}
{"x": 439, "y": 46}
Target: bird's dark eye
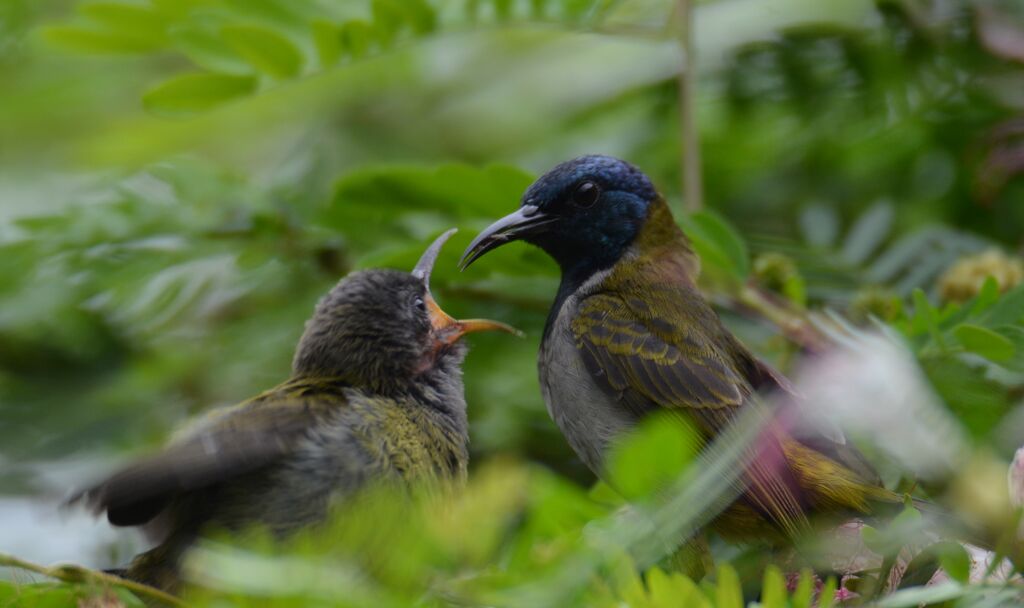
{"x": 420, "y": 304}
{"x": 586, "y": 194}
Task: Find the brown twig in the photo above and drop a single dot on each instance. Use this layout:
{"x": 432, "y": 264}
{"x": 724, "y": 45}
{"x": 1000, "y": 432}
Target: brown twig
{"x": 793, "y": 323}
{"x": 78, "y": 574}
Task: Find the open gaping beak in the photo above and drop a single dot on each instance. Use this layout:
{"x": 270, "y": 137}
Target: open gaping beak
{"x": 525, "y": 221}
{"x": 446, "y": 329}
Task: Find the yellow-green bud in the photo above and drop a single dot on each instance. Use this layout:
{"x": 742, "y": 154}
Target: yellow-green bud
{"x": 963, "y": 280}
{"x": 874, "y": 301}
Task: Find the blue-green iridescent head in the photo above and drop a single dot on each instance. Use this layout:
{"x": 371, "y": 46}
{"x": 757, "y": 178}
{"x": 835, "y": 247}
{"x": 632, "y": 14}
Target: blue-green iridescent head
{"x": 584, "y": 213}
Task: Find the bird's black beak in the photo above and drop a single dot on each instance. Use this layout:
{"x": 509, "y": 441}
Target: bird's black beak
{"x": 525, "y": 221}
{"x": 446, "y": 329}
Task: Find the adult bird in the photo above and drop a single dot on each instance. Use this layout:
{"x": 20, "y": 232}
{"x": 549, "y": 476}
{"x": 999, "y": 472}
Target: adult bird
{"x": 375, "y": 394}
{"x": 630, "y": 335}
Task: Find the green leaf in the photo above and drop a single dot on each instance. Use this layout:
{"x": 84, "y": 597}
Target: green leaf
{"x": 955, "y": 561}
{"x": 984, "y": 342}
{"x": 803, "y": 595}
{"x": 819, "y": 225}
{"x": 917, "y": 596}
{"x": 773, "y": 593}
{"x": 728, "y": 591}
{"x": 134, "y": 19}
{"x": 205, "y": 48}
{"x": 195, "y": 92}
{"x": 327, "y": 40}
{"x": 652, "y": 456}
{"x": 987, "y": 295}
{"x": 99, "y": 41}
{"x": 672, "y": 590}
{"x": 827, "y": 597}
{"x": 978, "y": 401}
{"x": 868, "y": 233}
{"x": 356, "y": 37}
{"x": 718, "y": 243}
{"x": 873, "y": 539}
{"x": 1007, "y": 310}
{"x": 264, "y": 49}
{"x": 291, "y": 13}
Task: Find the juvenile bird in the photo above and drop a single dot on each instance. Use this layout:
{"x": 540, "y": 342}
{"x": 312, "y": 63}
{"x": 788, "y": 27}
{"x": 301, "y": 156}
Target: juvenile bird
{"x": 629, "y": 335}
{"x": 375, "y": 394}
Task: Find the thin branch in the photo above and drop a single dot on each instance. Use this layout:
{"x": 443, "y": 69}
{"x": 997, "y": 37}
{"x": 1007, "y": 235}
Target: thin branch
{"x": 693, "y": 187}
{"x": 793, "y": 323}
{"x": 78, "y": 574}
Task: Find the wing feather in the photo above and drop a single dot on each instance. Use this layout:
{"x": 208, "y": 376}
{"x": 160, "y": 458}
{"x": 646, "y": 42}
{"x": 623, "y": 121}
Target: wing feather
{"x": 675, "y": 354}
{"x": 226, "y": 445}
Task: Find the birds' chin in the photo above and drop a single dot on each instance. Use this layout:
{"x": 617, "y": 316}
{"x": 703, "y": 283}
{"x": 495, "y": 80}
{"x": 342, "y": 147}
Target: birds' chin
{"x": 441, "y": 356}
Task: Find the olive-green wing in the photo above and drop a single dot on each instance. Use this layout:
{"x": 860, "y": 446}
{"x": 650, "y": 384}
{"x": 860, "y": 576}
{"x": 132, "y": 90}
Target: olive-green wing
{"x": 231, "y": 443}
{"x": 662, "y": 351}
{"x": 670, "y": 351}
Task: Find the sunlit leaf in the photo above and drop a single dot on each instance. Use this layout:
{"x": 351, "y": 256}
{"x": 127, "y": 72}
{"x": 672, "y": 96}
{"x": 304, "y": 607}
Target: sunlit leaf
{"x": 138, "y": 19}
{"x": 100, "y": 41}
{"x": 984, "y": 342}
{"x": 773, "y": 591}
{"x": 327, "y": 40}
{"x": 196, "y": 92}
{"x": 728, "y": 592}
{"x": 652, "y": 456}
{"x": 267, "y": 50}
{"x": 205, "y": 48}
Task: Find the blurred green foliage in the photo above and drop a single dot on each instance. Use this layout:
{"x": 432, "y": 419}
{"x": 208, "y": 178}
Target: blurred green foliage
{"x": 181, "y": 181}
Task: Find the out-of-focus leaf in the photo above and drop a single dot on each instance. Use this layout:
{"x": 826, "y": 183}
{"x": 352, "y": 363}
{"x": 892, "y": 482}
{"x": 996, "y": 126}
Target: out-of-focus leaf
{"x": 827, "y": 595}
{"x": 205, "y": 48}
{"x": 978, "y": 401}
{"x": 922, "y": 596}
{"x": 327, "y": 40}
{"x": 196, "y": 92}
{"x": 718, "y": 243}
{"x": 1007, "y": 310}
{"x": 904, "y": 529}
{"x": 667, "y": 590}
{"x": 926, "y": 317}
{"x": 420, "y": 201}
{"x": 819, "y": 225}
{"x": 135, "y": 19}
{"x": 773, "y": 590}
{"x": 267, "y": 50}
{"x": 868, "y": 232}
{"x": 728, "y": 591}
{"x": 955, "y": 561}
{"x": 356, "y": 37}
{"x": 652, "y": 456}
{"x": 984, "y": 342}
{"x": 99, "y": 41}
{"x": 803, "y": 595}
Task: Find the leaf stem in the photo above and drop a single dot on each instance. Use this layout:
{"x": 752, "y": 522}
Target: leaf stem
{"x": 795, "y": 325}
{"x": 78, "y": 574}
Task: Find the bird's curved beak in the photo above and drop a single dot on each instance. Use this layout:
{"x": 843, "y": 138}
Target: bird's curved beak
{"x": 446, "y": 329}
{"x": 525, "y": 221}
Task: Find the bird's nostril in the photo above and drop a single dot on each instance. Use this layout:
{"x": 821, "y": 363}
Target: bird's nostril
{"x": 529, "y": 208}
